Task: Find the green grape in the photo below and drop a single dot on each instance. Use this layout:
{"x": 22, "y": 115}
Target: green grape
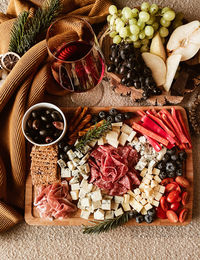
{"x": 164, "y": 22}
{"x": 117, "y": 39}
{"x": 150, "y": 37}
{"x": 141, "y": 24}
{"x": 144, "y": 48}
{"x": 142, "y": 35}
{"x": 134, "y": 29}
{"x": 119, "y": 22}
{"x": 109, "y": 17}
{"x": 127, "y": 12}
{"x": 112, "y": 19}
{"x": 123, "y": 18}
{"x": 135, "y": 12}
{"x": 179, "y": 16}
{"x": 153, "y": 9}
{"x": 151, "y": 20}
{"x": 118, "y": 27}
{"x": 163, "y": 32}
{"x": 128, "y": 31}
{"x": 176, "y": 24}
{"x": 144, "y": 16}
{"x": 145, "y": 6}
{"x": 112, "y": 9}
{"x": 165, "y": 9}
{"x": 123, "y": 32}
{"x": 132, "y": 21}
{"x": 113, "y": 34}
{"x": 169, "y": 15}
{"x": 137, "y": 44}
{"x": 149, "y": 31}
{"x": 134, "y": 38}
{"x": 145, "y": 41}
{"x": 155, "y": 26}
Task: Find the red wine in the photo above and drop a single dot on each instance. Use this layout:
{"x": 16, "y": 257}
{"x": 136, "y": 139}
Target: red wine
{"x": 78, "y": 67}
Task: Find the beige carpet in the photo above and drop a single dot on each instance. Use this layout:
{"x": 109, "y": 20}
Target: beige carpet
{"x": 26, "y": 242}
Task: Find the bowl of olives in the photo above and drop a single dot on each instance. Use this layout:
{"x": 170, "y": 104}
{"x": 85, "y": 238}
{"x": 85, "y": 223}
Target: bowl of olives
{"x": 44, "y": 124}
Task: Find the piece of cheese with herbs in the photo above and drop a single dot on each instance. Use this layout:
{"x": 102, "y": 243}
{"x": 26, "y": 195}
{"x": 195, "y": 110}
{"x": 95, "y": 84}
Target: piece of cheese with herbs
{"x": 106, "y": 204}
{"x": 118, "y": 212}
{"x": 85, "y": 214}
{"x": 71, "y": 155}
{"x": 109, "y": 214}
{"x": 99, "y": 214}
{"x": 96, "y": 195}
{"x": 65, "y": 173}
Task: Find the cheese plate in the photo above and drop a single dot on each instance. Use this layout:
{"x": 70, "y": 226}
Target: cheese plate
{"x": 31, "y": 214}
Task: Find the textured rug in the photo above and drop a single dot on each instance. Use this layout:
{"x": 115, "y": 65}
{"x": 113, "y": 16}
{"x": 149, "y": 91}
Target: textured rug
{"x": 26, "y": 242}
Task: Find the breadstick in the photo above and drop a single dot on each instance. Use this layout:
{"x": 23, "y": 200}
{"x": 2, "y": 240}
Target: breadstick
{"x": 75, "y": 115}
{"x": 78, "y": 119}
{"x": 84, "y": 131}
{"x": 81, "y": 125}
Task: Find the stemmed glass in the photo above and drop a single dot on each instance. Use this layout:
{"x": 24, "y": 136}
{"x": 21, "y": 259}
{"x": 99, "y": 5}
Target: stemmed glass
{"x": 77, "y": 62}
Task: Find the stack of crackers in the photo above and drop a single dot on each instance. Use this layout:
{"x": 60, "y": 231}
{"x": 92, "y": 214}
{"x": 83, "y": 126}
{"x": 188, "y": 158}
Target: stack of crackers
{"x": 44, "y": 165}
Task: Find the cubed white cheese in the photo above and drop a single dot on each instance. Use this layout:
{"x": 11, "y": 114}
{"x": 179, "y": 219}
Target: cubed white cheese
{"x": 148, "y": 206}
{"x": 85, "y": 214}
{"x": 113, "y": 142}
{"x": 123, "y": 138}
{"x": 153, "y": 184}
{"x": 99, "y": 214}
{"x": 96, "y": 204}
{"x": 142, "y": 186}
{"x": 141, "y": 164}
{"x": 143, "y": 172}
{"x": 85, "y": 202}
{"x": 149, "y": 176}
{"x": 146, "y": 181}
{"x": 118, "y": 212}
{"x": 75, "y": 162}
{"x": 119, "y": 199}
{"x": 84, "y": 183}
{"x": 151, "y": 166}
{"x": 86, "y": 149}
{"x": 107, "y": 197}
{"x": 75, "y": 179}
{"x": 112, "y": 135}
{"x": 131, "y": 193}
{"x": 96, "y": 195}
{"x": 100, "y": 141}
{"x": 75, "y": 186}
{"x": 156, "y": 171}
{"x": 114, "y": 205}
{"x": 126, "y": 206}
{"x": 71, "y": 155}
{"x": 109, "y": 214}
{"x": 74, "y": 194}
{"x": 138, "y": 198}
{"x": 126, "y": 198}
{"x": 148, "y": 191}
{"x": 61, "y": 163}
{"x": 142, "y": 139}
{"x": 71, "y": 165}
{"x": 143, "y": 202}
{"x": 157, "y": 188}
{"x": 155, "y": 203}
{"x": 156, "y": 178}
{"x": 143, "y": 195}
{"x": 131, "y": 136}
{"x": 86, "y": 168}
{"x": 126, "y": 129}
{"x": 143, "y": 211}
{"x": 158, "y": 196}
{"x": 162, "y": 189}
{"x": 136, "y": 191}
{"x": 106, "y": 204}
{"x": 84, "y": 159}
{"x": 75, "y": 172}
{"x": 78, "y": 154}
{"x": 150, "y": 199}
{"x": 116, "y": 129}
{"x": 117, "y": 124}
{"x": 161, "y": 154}
{"x": 136, "y": 205}
{"x": 65, "y": 173}
{"x": 93, "y": 143}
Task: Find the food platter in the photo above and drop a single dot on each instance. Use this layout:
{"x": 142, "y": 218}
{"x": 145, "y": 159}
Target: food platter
{"x": 32, "y": 217}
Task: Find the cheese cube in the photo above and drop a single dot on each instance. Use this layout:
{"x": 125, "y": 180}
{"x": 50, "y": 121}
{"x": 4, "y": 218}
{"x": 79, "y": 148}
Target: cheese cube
{"x": 142, "y": 186}
{"x": 131, "y": 193}
{"x": 126, "y": 198}
{"x": 93, "y": 143}
{"x": 71, "y": 155}
{"x": 89, "y": 209}
{"x": 74, "y": 194}
{"x": 107, "y": 197}
{"x": 148, "y": 191}
{"x": 137, "y": 191}
{"x": 86, "y": 168}
{"x": 149, "y": 176}
{"x": 118, "y": 212}
{"x": 156, "y": 178}
{"x": 136, "y": 205}
{"x": 65, "y": 173}
{"x": 119, "y": 199}
{"x": 96, "y": 195}
{"x": 61, "y": 163}
{"x": 158, "y": 196}
{"x": 138, "y": 198}
{"x": 143, "y": 211}
{"x": 146, "y": 181}
{"x": 156, "y": 171}
{"x": 143, "y": 172}
{"x": 143, "y": 195}
{"x": 84, "y": 159}
{"x": 100, "y": 141}
{"x": 150, "y": 167}
{"x": 71, "y": 165}
{"x": 113, "y": 142}
{"x": 96, "y": 205}
{"x": 117, "y": 124}
{"x": 85, "y": 214}
{"x": 155, "y": 203}
{"x": 78, "y": 154}
{"x": 126, "y": 129}
{"x": 75, "y": 186}
{"x": 109, "y": 214}
{"x": 75, "y": 179}
{"x": 143, "y": 202}
{"x": 86, "y": 149}
{"x": 126, "y": 206}
{"x": 112, "y": 135}
{"x": 85, "y": 202}
{"x": 131, "y": 136}
{"x": 114, "y": 205}
{"x": 161, "y": 154}
{"x": 83, "y": 183}
{"x": 75, "y": 173}
{"x": 123, "y": 138}
{"x": 84, "y": 175}
{"x": 150, "y": 199}
{"x": 106, "y": 204}
{"x": 148, "y": 206}
{"x": 153, "y": 184}
{"x": 116, "y": 129}
{"x": 75, "y": 162}
{"x": 157, "y": 188}
{"x": 142, "y": 139}
{"x": 141, "y": 164}
{"x": 162, "y": 189}
{"x": 99, "y": 214}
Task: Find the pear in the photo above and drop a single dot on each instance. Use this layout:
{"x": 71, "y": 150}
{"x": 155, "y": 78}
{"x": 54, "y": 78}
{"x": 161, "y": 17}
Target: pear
{"x": 157, "y": 67}
{"x": 187, "y": 52}
{"x": 172, "y": 66}
{"x": 195, "y": 37}
{"x": 157, "y": 47}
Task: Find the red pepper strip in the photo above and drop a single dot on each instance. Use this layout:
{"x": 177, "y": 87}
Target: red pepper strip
{"x": 151, "y": 125}
{"x": 161, "y": 123}
{"x": 174, "y": 116}
{"x": 179, "y": 134}
{"x": 154, "y": 111}
{"x": 180, "y": 118}
{"x": 149, "y": 133}
{"x": 141, "y": 113}
{"x": 149, "y": 112}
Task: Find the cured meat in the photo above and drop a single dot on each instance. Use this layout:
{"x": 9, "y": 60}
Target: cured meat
{"x": 54, "y": 201}
{"x": 112, "y": 169}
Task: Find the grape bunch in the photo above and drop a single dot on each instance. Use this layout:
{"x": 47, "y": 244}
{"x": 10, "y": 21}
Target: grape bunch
{"x": 139, "y": 26}
{"x": 128, "y": 63}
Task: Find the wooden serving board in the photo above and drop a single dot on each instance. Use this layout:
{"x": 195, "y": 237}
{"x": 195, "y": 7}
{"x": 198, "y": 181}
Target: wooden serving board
{"x": 32, "y": 217}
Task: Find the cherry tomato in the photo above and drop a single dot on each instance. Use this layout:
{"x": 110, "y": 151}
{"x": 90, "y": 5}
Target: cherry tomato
{"x": 185, "y": 197}
{"x": 164, "y": 204}
{"x": 160, "y": 213}
{"x": 173, "y": 196}
{"x": 172, "y": 186}
{"x": 166, "y": 181}
{"x": 183, "y": 215}
{"x": 175, "y": 206}
{"x": 172, "y": 216}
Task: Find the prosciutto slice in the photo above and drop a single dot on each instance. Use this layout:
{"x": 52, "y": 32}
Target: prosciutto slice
{"x": 112, "y": 169}
{"x": 54, "y": 201}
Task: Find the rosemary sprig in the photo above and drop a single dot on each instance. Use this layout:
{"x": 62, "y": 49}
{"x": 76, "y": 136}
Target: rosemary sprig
{"x": 94, "y": 134}
{"x": 107, "y": 225}
{"x": 27, "y": 30}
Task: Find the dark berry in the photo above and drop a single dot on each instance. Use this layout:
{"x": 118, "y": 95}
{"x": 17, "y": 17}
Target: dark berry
{"x": 147, "y": 71}
{"x": 61, "y": 145}
{"x": 124, "y": 80}
{"x": 63, "y": 156}
{"x": 151, "y": 212}
{"x": 161, "y": 165}
{"x": 102, "y": 114}
{"x": 170, "y": 166}
{"x": 179, "y": 164}
{"x": 162, "y": 175}
{"x": 114, "y": 53}
{"x": 182, "y": 156}
{"x": 139, "y": 218}
{"x": 179, "y": 172}
{"x": 111, "y": 68}
{"x": 166, "y": 158}
{"x": 148, "y": 219}
{"x": 174, "y": 157}
{"x": 123, "y": 70}
{"x": 145, "y": 94}
{"x": 113, "y": 112}
{"x": 110, "y": 119}
{"x": 128, "y": 115}
{"x": 171, "y": 174}
{"x": 137, "y": 85}
{"x": 124, "y": 53}
{"x": 113, "y": 46}
{"x": 119, "y": 118}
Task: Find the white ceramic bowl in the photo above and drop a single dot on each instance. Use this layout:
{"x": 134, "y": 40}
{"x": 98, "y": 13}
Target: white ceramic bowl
{"x": 38, "y": 106}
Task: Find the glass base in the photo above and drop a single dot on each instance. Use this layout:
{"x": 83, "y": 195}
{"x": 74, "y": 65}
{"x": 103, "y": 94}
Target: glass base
{"x": 89, "y": 98}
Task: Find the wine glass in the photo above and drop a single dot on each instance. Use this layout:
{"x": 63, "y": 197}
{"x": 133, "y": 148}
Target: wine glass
{"x": 77, "y": 63}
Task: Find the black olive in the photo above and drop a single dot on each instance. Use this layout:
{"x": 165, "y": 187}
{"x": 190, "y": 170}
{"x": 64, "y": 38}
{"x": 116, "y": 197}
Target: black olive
{"x": 124, "y": 80}
{"x": 174, "y": 157}
{"x": 111, "y": 68}
{"x": 139, "y": 218}
{"x": 117, "y": 69}
{"x": 132, "y": 213}
{"x": 166, "y": 158}
{"x": 179, "y": 172}
{"x": 45, "y": 118}
{"x": 162, "y": 175}
{"x": 57, "y": 134}
{"x": 35, "y": 114}
{"x": 170, "y": 166}
{"x": 151, "y": 212}
{"x": 94, "y": 119}
{"x": 56, "y": 116}
{"x": 179, "y": 164}
{"x": 171, "y": 174}
{"x": 43, "y": 132}
{"x": 182, "y": 155}
{"x": 130, "y": 83}
{"x": 111, "y": 58}
{"x": 110, "y": 119}
{"x": 128, "y": 115}
{"x": 145, "y": 94}
{"x": 48, "y": 126}
{"x": 63, "y": 156}
{"x": 172, "y": 151}
{"x": 148, "y": 219}
{"x": 48, "y": 112}
{"x": 113, "y": 112}
{"x": 102, "y": 114}
{"x": 119, "y": 118}
{"x": 137, "y": 85}
{"x": 66, "y": 148}
{"x": 161, "y": 165}
{"x": 61, "y": 145}
{"x": 37, "y": 139}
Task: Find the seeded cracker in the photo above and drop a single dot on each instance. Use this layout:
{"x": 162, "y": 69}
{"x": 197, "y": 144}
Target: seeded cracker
{"x": 44, "y": 165}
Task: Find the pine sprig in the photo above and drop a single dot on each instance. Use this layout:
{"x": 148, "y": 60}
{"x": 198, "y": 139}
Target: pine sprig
{"x": 94, "y": 134}
{"x": 107, "y": 225}
{"x": 27, "y": 30}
